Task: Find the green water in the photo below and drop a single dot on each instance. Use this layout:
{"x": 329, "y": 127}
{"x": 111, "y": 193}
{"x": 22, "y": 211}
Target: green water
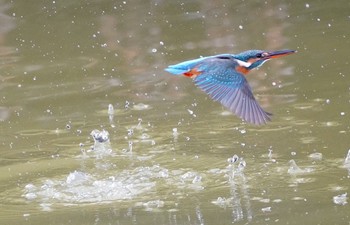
{"x": 170, "y": 149}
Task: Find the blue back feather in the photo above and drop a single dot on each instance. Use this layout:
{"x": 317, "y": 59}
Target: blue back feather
{"x": 186, "y": 66}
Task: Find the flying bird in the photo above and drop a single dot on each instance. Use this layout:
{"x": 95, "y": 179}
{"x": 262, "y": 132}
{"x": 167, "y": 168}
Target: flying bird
{"x": 222, "y": 77}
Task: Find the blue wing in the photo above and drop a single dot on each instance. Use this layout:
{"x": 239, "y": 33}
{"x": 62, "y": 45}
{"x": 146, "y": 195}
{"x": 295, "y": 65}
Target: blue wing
{"x": 220, "y": 80}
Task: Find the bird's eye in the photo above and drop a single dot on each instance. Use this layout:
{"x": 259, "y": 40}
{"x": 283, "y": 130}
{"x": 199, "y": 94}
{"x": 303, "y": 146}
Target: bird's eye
{"x": 262, "y": 55}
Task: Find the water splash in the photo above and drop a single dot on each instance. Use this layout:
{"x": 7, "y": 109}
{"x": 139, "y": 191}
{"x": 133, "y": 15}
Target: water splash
{"x": 130, "y": 132}
{"x": 130, "y": 146}
{"x": 347, "y": 159}
{"x": 127, "y": 105}
{"x": 239, "y": 191}
{"x": 175, "y": 134}
{"x": 111, "y": 115}
{"x": 151, "y": 205}
{"x": 316, "y": 156}
{"x": 139, "y": 124}
{"x": 77, "y": 178}
{"x": 347, "y": 163}
{"x": 236, "y": 164}
{"x": 141, "y": 106}
{"x": 102, "y": 144}
{"x": 83, "y": 187}
{"x": 341, "y": 199}
{"x": 100, "y": 136}
{"x": 295, "y": 169}
{"x": 191, "y": 113}
{"x": 94, "y": 187}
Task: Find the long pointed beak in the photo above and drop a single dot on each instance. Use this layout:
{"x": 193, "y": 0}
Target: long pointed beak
{"x": 277, "y": 54}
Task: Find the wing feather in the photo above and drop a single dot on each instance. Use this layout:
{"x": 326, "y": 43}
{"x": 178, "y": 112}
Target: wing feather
{"x": 224, "y": 84}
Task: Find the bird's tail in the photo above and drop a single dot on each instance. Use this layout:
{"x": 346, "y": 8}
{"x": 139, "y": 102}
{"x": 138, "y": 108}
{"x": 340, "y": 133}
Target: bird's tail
{"x": 183, "y": 67}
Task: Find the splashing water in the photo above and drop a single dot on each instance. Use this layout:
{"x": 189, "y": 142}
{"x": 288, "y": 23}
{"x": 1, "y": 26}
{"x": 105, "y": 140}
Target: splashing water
{"x": 347, "y": 159}
{"x": 347, "y": 163}
{"x": 111, "y": 115}
{"x": 102, "y": 144}
{"x": 295, "y": 169}
{"x": 100, "y": 136}
{"x": 239, "y": 200}
{"x": 340, "y": 199}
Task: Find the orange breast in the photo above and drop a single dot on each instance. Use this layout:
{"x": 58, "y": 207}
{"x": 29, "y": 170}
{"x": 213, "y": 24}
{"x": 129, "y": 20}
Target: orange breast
{"x": 242, "y": 69}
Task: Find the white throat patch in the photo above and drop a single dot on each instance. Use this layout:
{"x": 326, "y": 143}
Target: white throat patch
{"x": 244, "y": 64}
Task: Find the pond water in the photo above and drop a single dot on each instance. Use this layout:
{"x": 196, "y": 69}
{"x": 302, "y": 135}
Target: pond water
{"x": 94, "y": 131}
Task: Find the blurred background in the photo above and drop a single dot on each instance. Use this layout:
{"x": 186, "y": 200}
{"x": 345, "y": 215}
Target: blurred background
{"x": 72, "y": 72}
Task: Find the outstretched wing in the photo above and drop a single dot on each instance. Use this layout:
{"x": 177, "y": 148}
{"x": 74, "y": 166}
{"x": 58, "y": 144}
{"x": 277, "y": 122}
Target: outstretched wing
{"x": 220, "y": 80}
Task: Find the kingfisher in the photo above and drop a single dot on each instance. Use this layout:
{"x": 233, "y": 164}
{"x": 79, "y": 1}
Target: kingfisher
{"x": 222, "y": 77}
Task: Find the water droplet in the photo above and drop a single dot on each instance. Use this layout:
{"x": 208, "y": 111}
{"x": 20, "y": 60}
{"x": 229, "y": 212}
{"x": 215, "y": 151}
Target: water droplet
{"x": 242, "y": 164}
{"x": 130, "y": 146}
{"x": 266, "y": 209}
{"x": 175, "y": 133}
{"x": 233, "y": 159}
{"x": 196, "y": 179}
{"x": 110, "y": 109}
{"x": 30, "y": 196}
{"x": 316, "y": 156}
{"x": 100, "y": 136}
{"x": 127, "y": 104}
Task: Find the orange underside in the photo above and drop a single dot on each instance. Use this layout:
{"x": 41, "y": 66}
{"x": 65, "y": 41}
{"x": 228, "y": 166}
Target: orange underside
{"x": 242, "y": 69}
{"x": 192, "y": 73}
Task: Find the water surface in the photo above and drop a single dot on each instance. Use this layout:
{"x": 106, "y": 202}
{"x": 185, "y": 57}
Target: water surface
{"x": 172, "y": 156}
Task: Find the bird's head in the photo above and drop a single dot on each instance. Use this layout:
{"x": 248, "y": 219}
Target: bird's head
{"x": 254, "y": 58}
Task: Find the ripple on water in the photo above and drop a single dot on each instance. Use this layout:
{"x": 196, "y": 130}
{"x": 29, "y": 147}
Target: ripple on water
{"x": 315, "y": 106}
{"x": 308, "y": 140}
